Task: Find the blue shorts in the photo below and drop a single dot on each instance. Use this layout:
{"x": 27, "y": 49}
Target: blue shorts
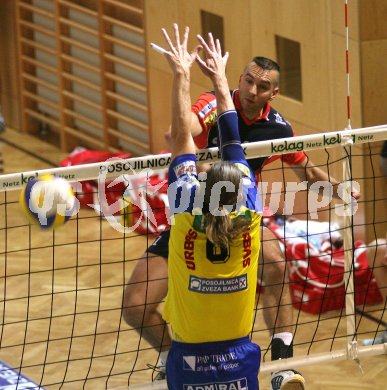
{"x": 160, "y": 246}
{"x": 232, "y": 364}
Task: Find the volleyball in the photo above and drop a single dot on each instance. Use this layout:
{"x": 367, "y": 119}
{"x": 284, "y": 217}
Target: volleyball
{"x": 47, "y": 201}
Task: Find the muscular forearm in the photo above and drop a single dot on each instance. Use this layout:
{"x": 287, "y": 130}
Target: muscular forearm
{"x": 195, "y": 129}
{"x": 180, "y": 61}
{"x": 222, "y": 93}
{"x": 181, "y": 105}
{"x": 313, "y": 174}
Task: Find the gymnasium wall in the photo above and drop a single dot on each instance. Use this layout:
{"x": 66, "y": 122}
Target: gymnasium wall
{"x": 133, "y": 114}
{"x": 9, "y": 75}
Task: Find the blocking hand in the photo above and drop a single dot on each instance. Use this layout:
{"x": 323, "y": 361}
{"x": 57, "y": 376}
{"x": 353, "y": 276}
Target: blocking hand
{"x": 179, "y": 59}
{"x": 214, "y": 64}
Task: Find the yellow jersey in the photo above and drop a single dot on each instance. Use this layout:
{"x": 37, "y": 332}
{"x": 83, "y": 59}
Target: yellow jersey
{"x": 211, "y": 292}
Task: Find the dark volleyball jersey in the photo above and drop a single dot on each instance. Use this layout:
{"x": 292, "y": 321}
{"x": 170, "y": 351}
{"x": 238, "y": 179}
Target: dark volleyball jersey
{"x": 269, "y": 126}
{"x": 383, "y": 153}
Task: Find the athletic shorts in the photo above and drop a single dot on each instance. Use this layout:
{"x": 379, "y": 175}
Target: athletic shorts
{"x": 383, "y": 153}
{"x": 160, "y": 244}
{"x": 227, "y": 365}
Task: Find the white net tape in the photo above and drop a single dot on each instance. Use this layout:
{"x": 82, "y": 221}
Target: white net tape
{"x": 156, "y": 162}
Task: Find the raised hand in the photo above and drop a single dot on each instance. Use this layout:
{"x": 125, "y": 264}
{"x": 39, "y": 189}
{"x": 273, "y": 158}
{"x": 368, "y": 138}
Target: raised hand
{"x": 214, "y": 64}
{"x": 214, "y": 67}
{"x": 179, "y": 59}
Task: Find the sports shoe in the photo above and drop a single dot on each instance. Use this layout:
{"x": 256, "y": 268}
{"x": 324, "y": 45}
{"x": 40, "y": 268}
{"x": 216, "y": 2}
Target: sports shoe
{"x": 287, "y": 380}
{"x": 380, "y": 339}
{"x": 159, "y": 371}
{"x": 160, "y": 376}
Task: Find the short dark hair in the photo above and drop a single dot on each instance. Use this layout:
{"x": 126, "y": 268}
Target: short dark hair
{"x": 266, "y": 63}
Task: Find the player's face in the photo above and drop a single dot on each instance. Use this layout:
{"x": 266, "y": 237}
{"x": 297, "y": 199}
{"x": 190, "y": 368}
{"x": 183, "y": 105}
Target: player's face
{"x": 256, "y": 87}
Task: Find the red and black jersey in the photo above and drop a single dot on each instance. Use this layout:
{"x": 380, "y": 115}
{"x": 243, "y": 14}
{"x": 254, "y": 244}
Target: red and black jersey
{"x": 270, "y": 125}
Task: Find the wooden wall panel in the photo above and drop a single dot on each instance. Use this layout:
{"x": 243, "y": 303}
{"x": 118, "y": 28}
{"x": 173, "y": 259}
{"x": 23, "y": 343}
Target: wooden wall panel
{"x": 158, "y": 14}
{"x": 163, "y": 14}
{"x": 237, "y": 32}
{"x": 9, "y": 86}
{"x": 338, "y": 19}
{"x": 83, "y": 73}
{"x": 305, "y": 22}
{"x": 372, "y": 19}
{"x": 373, "y": 78}
{"x": 159, "y": 100}
{"x": 339, "y": 81}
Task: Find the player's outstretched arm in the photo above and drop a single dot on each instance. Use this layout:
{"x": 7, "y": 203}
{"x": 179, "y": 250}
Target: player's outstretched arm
{"x": 308, "y": 171}
{"x": 214, "y": 67}
{"x": 180, "y": 62}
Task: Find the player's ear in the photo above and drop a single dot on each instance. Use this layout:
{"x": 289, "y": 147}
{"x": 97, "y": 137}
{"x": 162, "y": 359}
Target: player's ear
{"x": 274, "y": 93}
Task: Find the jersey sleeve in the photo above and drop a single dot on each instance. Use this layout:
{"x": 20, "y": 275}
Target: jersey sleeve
{"x": 231, "y": 150}
{"x": 182, "y": 183}
{"x": 205, "y": 108}
{"x": 294, "y": 158}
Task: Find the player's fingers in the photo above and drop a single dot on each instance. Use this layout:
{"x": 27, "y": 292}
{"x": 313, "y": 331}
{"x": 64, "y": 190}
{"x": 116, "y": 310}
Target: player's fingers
{"x": 204, "y": 66}
{"x": 211, "y": 42}
{"x": 185, "y": 39}
{"x": 225, "y": 58}
{"x": 203, "y": 43}
{"x": 356, "y": 195}
{"x": 177, "y": 37}
{"x": 167, "y": 39}
{"x": 195, "y": 52}
{"x": 218, "y": 47}
{"x": 201, "y": 63}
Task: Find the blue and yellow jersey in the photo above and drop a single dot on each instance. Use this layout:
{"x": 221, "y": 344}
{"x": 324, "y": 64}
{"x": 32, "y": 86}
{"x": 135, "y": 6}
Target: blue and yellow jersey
{"x": 211, "y": 291}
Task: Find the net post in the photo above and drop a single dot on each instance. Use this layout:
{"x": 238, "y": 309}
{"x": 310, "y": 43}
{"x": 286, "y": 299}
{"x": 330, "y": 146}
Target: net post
{"x": 352, "y": 350}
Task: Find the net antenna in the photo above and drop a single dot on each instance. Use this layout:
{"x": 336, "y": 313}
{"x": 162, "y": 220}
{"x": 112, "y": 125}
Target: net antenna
{"x": 347, "y": 64}
{"x": 348, "y": 238}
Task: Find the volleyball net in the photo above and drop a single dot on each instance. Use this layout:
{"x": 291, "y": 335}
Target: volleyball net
{"x": 62, "y": 290}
